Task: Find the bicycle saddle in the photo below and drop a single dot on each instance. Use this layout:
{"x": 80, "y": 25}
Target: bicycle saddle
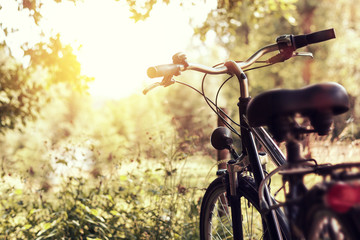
{"x": 319, "y": 102}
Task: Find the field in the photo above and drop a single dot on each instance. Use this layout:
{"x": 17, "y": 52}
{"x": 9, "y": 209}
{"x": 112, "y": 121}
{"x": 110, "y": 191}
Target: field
{"x": 147, "y": 199}
{"x": 336, "y": 152}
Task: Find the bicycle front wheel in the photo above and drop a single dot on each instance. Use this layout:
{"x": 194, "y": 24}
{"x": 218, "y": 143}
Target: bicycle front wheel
{"x": 215, "y": 215}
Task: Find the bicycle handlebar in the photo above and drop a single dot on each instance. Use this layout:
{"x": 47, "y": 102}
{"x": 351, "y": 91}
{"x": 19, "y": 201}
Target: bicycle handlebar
{"x": 286, "y": 44}
{"x": 170, "y": 69}
{"x": 164, "y": 70}
{"x": 316, "y": 37}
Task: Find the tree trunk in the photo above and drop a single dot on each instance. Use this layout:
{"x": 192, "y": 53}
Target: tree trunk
{"x": 307, "y": 14}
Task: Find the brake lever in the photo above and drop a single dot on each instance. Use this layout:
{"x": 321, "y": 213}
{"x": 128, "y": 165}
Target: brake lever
{"x": 303, "y": 54}
{"x": 151, "y": 87}
{"x": 167, "y": 81}
{"x": 285, "y": 55}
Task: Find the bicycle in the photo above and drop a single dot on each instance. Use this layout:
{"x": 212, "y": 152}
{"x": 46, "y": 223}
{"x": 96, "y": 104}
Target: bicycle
{"x": 241, "y": 194}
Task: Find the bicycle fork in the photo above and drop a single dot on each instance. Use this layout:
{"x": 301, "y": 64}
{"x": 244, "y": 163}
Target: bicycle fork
{"x": 234, "y": 199}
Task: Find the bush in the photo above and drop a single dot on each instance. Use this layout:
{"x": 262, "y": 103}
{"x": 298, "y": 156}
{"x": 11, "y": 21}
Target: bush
{"x": 131, "y": 206}
{"x": 85, "y": 173}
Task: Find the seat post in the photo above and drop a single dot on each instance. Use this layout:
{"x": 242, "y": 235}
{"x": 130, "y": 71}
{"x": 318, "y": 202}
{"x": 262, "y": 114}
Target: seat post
{"x": 296, "y": 183}
{"x": 293, "y": 151}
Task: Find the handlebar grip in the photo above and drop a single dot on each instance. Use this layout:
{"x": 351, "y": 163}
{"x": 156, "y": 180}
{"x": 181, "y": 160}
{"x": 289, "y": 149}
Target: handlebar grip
{"x": 164, "y": 70}
{"x": 306, "y": 39}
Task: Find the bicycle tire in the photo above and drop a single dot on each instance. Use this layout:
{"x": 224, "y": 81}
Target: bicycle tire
{"x": 214, "y": 204}
{"x": 330, "y": 225}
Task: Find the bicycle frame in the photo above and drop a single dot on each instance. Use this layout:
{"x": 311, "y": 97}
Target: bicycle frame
{"x": 249, "y": 149}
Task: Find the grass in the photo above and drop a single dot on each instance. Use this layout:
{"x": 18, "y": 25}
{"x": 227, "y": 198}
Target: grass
{"x": 195, "y": 171}
{"x": 147, "y": 199}
{"x": 336, "y": 152}
{"x": 141, "y": 201}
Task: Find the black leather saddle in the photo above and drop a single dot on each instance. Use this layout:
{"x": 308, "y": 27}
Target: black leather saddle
{"x": 315, "y": 101}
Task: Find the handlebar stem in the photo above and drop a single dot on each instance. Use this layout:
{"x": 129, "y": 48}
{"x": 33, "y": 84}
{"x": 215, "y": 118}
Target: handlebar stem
{"x": 234, "y": 68}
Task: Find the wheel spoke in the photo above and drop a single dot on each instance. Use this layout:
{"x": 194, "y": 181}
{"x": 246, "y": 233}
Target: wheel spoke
{"x": 226, "y": 230}
{"x": 219, "y": 220}
{"x": 327, "y": 225}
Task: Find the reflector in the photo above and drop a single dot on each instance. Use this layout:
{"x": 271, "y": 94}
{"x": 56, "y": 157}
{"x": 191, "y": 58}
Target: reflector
{"x": 342, "y": 196}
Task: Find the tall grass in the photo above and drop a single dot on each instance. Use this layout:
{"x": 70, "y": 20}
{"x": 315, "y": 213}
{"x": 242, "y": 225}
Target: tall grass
{"x": 141, "y": 198}
{"x": 144, "y": 199}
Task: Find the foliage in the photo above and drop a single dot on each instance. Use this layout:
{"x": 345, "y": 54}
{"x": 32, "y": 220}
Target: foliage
{"x": 193, "y": 120}
{"x": 43, "y": 64}
{"x": 85, "y": 173}
{"x": 232, "y": 21}
{"x": 241, "y": 33}
{"x": 122, "y": 207}
{"x": 19, "y": 93}
{"x": 141, "y": 9}
{"x": 33, "y": 8}
{"x": 49, "y": 53}
{"x": 117, "y": 171}
{"x": 341, "y": 61}
{"x": 225, "y": 9}
{"x": 60, "y": 63}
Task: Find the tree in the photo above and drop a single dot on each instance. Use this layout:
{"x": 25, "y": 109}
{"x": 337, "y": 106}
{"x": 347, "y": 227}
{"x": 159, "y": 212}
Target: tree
{"x": 22, "y": 85}
{"x": 19, "y": 94}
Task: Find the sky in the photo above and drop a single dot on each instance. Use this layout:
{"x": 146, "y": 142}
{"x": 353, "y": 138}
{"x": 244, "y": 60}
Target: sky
{"x": 114, "y": 50}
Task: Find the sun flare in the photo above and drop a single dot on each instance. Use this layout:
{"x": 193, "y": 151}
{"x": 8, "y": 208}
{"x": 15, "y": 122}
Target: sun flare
{"x": 114, "y": 49}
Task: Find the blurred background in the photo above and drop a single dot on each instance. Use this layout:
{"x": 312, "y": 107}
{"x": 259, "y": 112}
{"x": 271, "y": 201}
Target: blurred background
{"x": 84, "y": 154}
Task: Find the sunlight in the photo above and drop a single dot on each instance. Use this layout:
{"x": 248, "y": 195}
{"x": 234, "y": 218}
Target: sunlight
{"x": 114, "y": 49}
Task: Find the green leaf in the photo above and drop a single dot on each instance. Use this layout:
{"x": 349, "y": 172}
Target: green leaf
{"x": 61, "y": 161}
{"x": 31, "y": 212}
{"x": 110, "y": 198}
{"x": 47, "y": 226}
{"x": 94, "y": 212}
{"x": 115, "y": 213}
{"x": 18, "y": 191}
{"x": 89, "y": 220}
{"x": 27, "y": 226}
{"x": 123, "y": 178}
